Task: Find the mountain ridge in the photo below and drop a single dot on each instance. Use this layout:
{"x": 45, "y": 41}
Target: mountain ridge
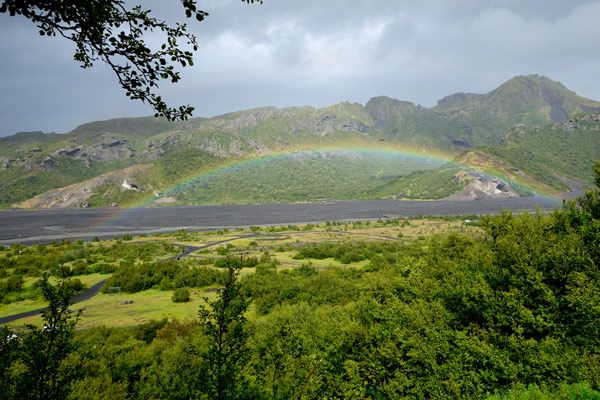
{"x": 459, "y": 122}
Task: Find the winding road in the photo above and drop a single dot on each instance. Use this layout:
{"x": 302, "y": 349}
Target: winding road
{"x": 95, "y": 289}
{"x": 88, "y": 294}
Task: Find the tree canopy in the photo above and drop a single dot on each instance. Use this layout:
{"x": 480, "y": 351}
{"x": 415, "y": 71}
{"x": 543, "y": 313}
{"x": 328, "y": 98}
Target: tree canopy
{"x": 109, "y": 31}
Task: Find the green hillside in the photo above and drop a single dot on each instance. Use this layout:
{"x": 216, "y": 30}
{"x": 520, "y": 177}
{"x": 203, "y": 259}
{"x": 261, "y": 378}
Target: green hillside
{"x": 431, "y": 185}
{"x": 309, "y": 176}
{"x": 18, "y": 184}
{"x": 510, "y": 123}
{"x": 567, "y": 149}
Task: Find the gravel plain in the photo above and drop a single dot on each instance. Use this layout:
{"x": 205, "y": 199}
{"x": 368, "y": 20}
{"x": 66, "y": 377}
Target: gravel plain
{"x": 44, "y": 226}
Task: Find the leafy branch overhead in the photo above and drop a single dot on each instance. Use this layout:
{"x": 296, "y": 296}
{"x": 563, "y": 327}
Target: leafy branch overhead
{"x": 106, "y": 30}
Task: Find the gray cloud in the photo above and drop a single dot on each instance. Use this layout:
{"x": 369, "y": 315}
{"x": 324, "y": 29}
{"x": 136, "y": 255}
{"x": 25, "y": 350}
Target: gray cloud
{"x": 315, "y": 53}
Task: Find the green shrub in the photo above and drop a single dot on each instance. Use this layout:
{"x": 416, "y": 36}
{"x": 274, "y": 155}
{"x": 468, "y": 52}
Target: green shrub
{"x": 77, "y": 285}
{"x": 581, "y": 391}
{"x": 181, "y": 295}
{"x": 166, "y": 284}
{"x": 13, "y": 284}
{"x": 242, "y": 262}
{"x": 62, "y": 271}
{"x": 147, "y": 331}
{"x": 79, "y": 267}
{"x": 265, "y": 269}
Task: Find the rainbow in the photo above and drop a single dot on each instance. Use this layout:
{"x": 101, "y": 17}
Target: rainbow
{"x": 274, "y": 157}
{"x": 436, "y": 159}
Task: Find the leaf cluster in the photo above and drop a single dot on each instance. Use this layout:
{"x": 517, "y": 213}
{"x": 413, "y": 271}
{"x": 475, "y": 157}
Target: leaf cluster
{"x": 36, "y": 362}
{"x": 108, "y": 31}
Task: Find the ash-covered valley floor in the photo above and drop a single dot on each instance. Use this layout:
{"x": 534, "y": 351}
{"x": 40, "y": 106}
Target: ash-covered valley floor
{"x": 44, "y": 226}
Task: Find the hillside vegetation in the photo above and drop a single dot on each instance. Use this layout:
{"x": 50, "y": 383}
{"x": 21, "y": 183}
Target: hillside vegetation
{"x": 303, "y": 177}
{"x": 530, "y": 123}
{"x": 567, "y": 149}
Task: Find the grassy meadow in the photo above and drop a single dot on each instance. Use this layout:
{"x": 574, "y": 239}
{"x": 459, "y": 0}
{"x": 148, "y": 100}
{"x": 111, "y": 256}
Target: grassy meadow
{"x": 280, "y": 242}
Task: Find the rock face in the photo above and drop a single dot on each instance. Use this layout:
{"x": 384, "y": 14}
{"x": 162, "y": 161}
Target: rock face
{"x": 484, "y": 187}
{"x": 109, "y": 149}
{"x": 76, "y": 196}
{"x": 592, "y": 117}
{"x": 5, "y": 162}
{"x": 386, "y": 111}
{"x": 129, "y": 186}
{"x": 48, "y": 164}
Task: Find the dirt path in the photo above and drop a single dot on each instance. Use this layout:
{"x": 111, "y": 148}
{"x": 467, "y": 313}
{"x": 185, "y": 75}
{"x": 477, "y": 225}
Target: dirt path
{"x": 192, "y": 249}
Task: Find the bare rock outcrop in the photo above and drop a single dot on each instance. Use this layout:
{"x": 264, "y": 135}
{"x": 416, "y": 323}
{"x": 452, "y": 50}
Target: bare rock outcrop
{"x": 108, "y": 149}
{"x": 6, "y": 161}
{"x": 77, "y": 195}
{"x": 484, "y": 187}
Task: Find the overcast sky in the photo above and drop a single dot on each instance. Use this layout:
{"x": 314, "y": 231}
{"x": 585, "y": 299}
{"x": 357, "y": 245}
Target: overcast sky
{"x": 313, "y": 52}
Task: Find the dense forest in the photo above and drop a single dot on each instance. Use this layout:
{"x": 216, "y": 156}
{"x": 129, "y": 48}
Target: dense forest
{"x": 511, "y": 312}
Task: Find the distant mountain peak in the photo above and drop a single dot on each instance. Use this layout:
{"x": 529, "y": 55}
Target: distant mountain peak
{"x": 535, "y": 93}
{"x": 537, "y": 84}
{"x": 532, "y": 99}
{"x": 537, "y": 79}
